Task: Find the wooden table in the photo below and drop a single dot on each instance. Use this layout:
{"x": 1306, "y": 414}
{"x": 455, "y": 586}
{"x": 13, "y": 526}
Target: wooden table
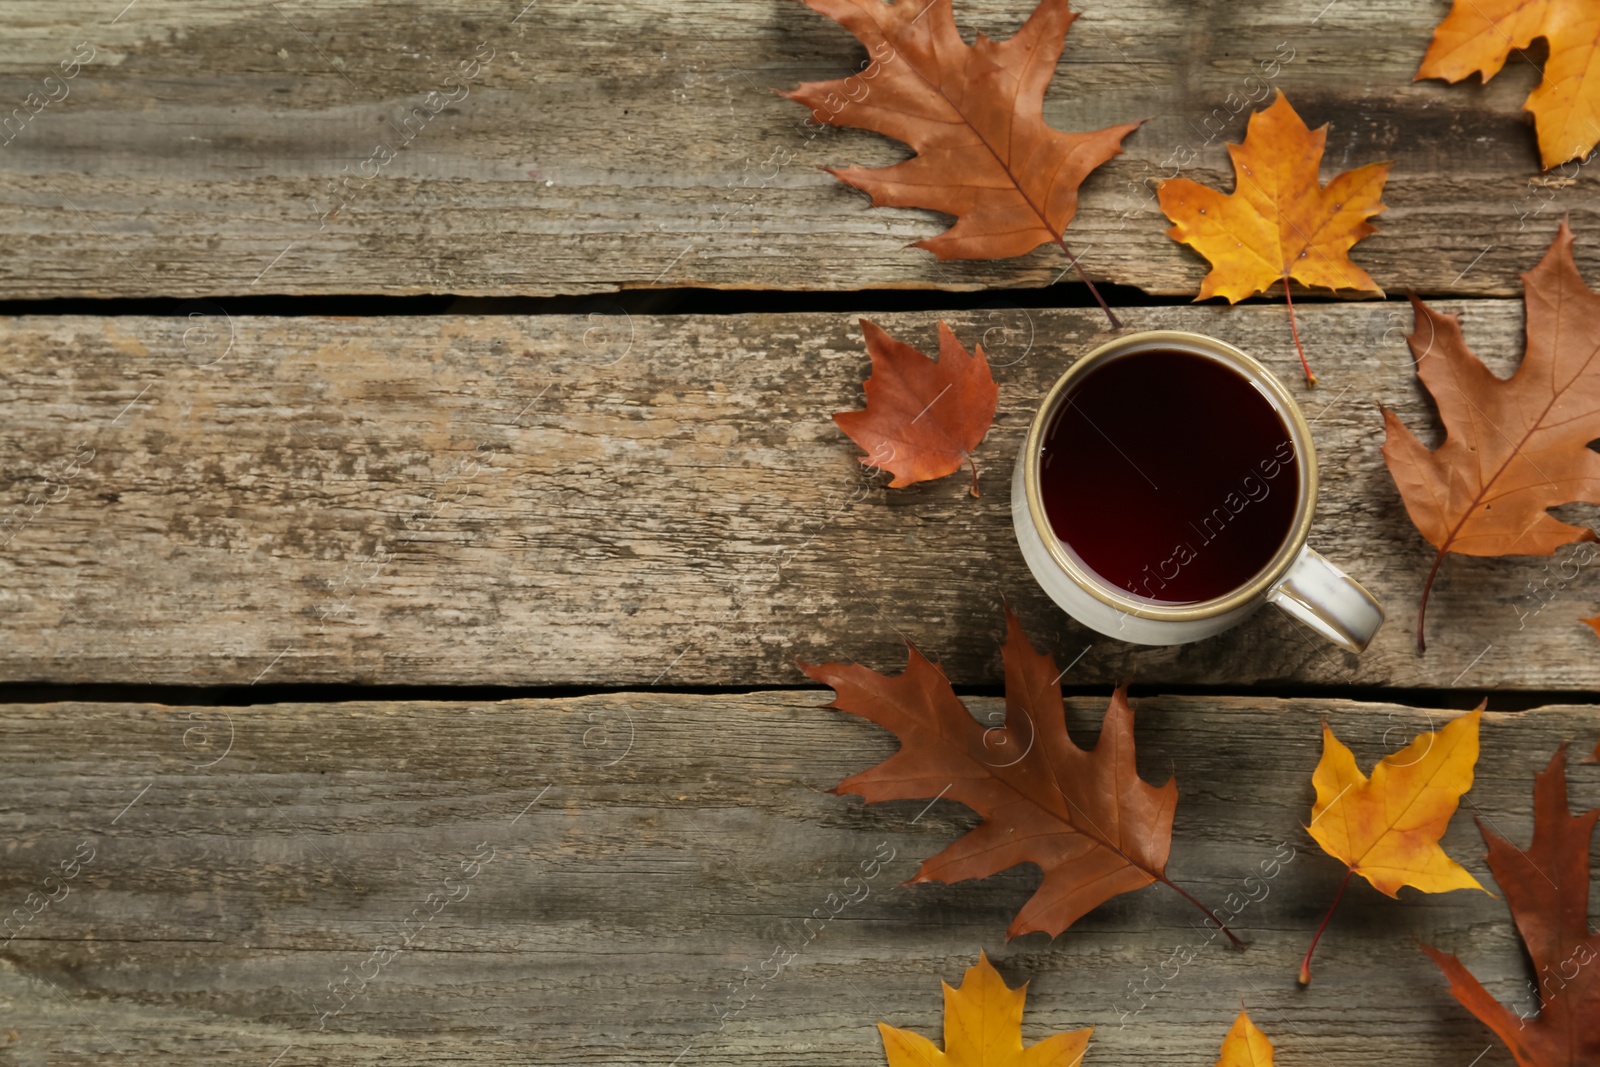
{"x": 467, "y": 511}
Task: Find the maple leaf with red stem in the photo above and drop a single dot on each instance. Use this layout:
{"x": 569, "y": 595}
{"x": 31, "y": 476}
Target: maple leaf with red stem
{"x": 1280, "y": 222}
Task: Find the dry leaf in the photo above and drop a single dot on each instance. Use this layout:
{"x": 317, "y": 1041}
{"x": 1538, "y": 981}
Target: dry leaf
{"x": 975, "y": 116}
{"x": 1084, "y": 817}
{"x": 1478, "y": 36}
{"x": 1280, "y": 222}
{"x": 1387, "y": 828}
{"x": 1513, "y": 447}
{"x": 1245, "y": 1046}
{"x": 922, "y": 418}
{"x": 1547, "y": 889}
{"x": 983, "y": 1028}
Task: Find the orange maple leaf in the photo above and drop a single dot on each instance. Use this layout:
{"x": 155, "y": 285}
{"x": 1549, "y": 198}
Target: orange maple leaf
{"x": 1387, "y": 828}
{"x": 922, "y": 418}
{"x": 1245, "y": 1045}
{"x": 983, "y": 1025}
{"x": 1513, "y": 447}
{"x": 1547, "y": 888}
{"x": 1477, "y": 37}
{"x": 1082, "y": 816}
{"x": 1279, "y": 222}
{"x": 975, "y": 116}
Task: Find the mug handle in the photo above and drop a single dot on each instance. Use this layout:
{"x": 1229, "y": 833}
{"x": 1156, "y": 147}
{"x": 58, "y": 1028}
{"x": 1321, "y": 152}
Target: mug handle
{"x": 1328, "y": 600}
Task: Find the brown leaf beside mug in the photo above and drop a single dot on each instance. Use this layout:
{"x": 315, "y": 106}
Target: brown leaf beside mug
{"x": 923, "y": 418}
{"x": 1514, "y": 447}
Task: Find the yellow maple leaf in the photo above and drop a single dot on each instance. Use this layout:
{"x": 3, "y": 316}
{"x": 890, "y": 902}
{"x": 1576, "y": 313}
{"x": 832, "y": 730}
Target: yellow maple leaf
{"x": 1245, "y": 1046}
{"x": 1477, "y": 37}
{"x": 983, "y": 1026}
{"x": 1387, "y": 828}
{"x": 1280, "y": 222}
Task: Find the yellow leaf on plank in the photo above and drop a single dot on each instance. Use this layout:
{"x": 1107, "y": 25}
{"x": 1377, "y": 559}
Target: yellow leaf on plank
{"x": 1279, "y": 222}
{"x": 1245, "y": 1045}
{"x": 1387, "y": 828}
{"x": 1479, "y": 35}
{"x": 983, "y": 1028}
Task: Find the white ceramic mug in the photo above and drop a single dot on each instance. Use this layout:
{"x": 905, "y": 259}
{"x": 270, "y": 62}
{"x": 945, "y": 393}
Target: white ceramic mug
{"x": 1297, "y": 579}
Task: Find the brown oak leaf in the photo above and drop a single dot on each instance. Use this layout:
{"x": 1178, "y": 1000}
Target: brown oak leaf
{"x": 1084, "y": 817}
{"x": 1514, "y": 447}
{"x": 922, "y": 418}
{"x": 1546, "y": 886}
{"x": 974, "y": 114}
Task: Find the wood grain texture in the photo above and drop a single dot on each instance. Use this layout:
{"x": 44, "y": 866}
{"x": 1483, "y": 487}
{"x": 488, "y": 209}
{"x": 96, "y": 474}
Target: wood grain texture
{"x": 640, "y": 851}
{"x": 203, "y": 151}
{"x": 609, "y": 500}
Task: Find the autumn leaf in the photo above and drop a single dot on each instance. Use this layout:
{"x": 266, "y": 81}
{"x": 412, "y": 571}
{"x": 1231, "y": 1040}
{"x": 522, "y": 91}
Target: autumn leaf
{"x": 975, "y": 116}
{"x": 983, "y": 1026}
{"x": 1547, "y": 889}
{"x": 1513, "y": 447}
{"x": 1279, "y": 222}
{"x": 1083, "y": 817}
{"x": 1245, "y": 1045}
{"x": 1477, "y": 37}
{"x": 1387, "y": 828}
{"x": 922, "y": 418}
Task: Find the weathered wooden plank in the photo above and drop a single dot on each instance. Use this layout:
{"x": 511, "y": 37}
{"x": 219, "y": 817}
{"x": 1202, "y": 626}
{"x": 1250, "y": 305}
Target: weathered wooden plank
{"x": 640, "y": 854}
{"x": 613, "y": 501}
{"x": 265, "y": 148}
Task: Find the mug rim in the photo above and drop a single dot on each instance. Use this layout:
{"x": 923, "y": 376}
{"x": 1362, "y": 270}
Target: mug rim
{"x": 1288, "y": 410}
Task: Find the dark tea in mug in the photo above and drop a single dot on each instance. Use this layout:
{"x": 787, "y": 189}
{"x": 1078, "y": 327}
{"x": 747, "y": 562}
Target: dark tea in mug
{"x": 1170, "y": 475}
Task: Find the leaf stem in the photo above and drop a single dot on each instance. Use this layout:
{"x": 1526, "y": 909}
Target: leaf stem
{"x": 974, "y": 467}
{"x": 1294, "y": 328}
{"x": 1186, "y": 895}
{"x": 1422, "y": 607}
{"x": 1116, "y": 324}
{"x": 1305, "y": 964}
